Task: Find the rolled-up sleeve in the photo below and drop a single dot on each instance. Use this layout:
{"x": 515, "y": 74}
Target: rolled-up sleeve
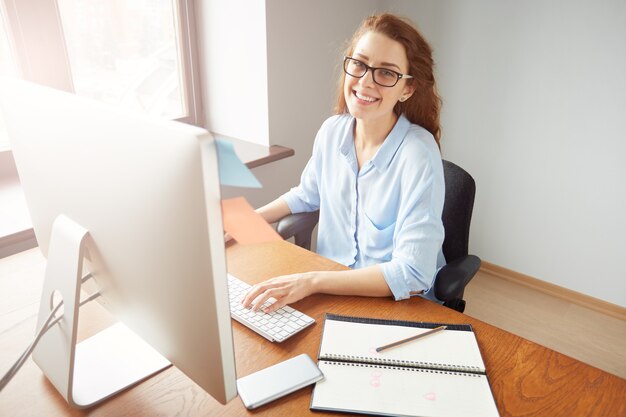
{"x": 418, "y": 236}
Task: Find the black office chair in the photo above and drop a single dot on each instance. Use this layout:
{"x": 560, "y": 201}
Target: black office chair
{"x": 457, "y": 215}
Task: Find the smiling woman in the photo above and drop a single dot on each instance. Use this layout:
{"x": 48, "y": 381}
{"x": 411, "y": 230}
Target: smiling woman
{"x": 375, "y": 175}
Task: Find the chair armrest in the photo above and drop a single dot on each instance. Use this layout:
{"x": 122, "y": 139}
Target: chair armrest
{"x": 453, "y": 277}
{"x": 300, "y": 226}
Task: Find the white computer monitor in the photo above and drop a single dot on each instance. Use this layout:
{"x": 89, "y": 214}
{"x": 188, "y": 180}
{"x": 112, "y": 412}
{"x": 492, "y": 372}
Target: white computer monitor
{"x": 147, "y": 191}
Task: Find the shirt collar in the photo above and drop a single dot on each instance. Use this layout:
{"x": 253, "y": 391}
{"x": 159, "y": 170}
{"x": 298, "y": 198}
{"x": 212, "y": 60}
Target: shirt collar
{"x": 386, "y": 151}
{"x": 346, "y": 146}
{"x": 391, "y": 144}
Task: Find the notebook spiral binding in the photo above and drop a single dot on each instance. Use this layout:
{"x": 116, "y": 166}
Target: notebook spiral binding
{"x": 365, "y": 360}
{"x": 406, "y": 368}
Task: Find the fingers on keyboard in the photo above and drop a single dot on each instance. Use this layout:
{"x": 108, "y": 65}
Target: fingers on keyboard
{"x": 277, "y": 325}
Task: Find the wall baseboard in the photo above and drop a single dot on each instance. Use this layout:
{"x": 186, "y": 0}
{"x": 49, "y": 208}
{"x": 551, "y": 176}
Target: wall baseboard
{"x": 571, "y": 296}
{"x": 17, "y": 242}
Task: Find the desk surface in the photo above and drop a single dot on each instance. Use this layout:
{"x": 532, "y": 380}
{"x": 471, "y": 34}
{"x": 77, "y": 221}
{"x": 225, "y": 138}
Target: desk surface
{"x": 526, "y": 379}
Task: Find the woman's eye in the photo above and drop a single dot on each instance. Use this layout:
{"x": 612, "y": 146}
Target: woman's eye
{"x": 388, "y": 74}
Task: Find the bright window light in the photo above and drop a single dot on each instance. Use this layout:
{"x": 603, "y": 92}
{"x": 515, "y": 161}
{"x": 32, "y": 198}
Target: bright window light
{"x": 126, "y": 53}
{"x": 7, "y": 67}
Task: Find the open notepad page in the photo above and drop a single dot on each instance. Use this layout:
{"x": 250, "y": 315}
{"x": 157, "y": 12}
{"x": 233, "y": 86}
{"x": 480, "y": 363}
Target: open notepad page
{"x": 452, "y": 348}
{"x": 397, "y": 391}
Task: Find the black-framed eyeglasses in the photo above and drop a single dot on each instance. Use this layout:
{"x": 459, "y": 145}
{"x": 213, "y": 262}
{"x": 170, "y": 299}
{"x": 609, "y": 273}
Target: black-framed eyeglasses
{"x": 381, "y": 76}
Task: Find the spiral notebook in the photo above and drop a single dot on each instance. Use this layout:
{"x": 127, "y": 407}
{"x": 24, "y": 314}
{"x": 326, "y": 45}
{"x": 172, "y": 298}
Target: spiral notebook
{"x": 439, "y": 375}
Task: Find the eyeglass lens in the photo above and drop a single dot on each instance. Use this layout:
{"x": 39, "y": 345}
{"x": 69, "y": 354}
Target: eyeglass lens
{"x": 382, "y": 76}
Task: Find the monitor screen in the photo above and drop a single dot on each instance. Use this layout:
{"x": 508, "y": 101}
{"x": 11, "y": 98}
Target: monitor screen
{"x": 147, "y": 191}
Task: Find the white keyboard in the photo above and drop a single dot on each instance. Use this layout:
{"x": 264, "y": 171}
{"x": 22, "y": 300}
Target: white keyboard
{"x": 276, "y": 326}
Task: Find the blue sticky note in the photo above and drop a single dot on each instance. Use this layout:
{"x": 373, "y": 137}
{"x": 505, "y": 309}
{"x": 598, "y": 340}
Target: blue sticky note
{"x": 233, "y": 172}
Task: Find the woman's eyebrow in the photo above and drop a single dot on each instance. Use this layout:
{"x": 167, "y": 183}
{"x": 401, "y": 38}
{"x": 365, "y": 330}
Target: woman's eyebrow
{"x": 389, "y": 64}
{"x": 384, "y": 64}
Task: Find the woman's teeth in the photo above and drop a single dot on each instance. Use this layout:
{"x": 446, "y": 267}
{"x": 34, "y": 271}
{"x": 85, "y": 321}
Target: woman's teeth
{"x": 365, "y": 98}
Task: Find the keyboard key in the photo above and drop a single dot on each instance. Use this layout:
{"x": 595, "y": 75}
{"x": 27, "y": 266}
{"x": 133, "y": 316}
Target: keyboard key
{"x": 290, "y": 327}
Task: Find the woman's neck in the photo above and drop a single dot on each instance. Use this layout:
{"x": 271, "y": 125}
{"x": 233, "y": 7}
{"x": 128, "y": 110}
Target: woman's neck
{"x": 372, "y": 133}
{"x": 369, "y": 135}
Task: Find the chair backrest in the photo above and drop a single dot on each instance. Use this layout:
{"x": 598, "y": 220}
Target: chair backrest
{"x": 457, "y": 210}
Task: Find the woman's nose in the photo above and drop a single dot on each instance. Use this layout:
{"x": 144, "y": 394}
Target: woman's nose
{"x": 367, "y": 79}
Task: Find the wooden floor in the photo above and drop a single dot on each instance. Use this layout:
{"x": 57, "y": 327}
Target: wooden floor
{"x": 584, "y": 334}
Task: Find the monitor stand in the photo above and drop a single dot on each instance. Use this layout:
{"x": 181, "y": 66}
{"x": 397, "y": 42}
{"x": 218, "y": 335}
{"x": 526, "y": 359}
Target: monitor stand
{"x": 106, "y": 363}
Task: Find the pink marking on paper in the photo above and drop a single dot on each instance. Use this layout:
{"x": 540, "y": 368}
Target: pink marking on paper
{"x": 375, "y": 381}
{"x": 430, "y": 396}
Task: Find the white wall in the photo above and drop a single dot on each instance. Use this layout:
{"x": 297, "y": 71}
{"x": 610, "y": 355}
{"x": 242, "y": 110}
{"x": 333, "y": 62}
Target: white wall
{"x": 535, "y": 109}
{"x": 233, "y": 67}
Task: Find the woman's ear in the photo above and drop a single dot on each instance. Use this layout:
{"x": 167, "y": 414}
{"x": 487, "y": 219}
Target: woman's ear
{"x": 407, "y": 92}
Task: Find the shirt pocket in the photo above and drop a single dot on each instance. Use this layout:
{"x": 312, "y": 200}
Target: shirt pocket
{"x": 377, "y": 240}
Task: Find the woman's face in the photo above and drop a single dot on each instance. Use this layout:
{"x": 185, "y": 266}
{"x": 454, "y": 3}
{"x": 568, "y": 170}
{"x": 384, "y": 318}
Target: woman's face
{"x": 365, "y": 99}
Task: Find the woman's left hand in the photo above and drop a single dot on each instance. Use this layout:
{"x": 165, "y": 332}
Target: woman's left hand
{"x": 285, "y": 289}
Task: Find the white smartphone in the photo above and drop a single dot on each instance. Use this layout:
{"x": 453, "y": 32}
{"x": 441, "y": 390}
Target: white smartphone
{"x": 278, "y": 380}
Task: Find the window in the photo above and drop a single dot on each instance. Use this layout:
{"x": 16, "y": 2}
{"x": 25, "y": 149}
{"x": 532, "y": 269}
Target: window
{"x": 134, "y": 54}
{"x": 7, "y": 67}
{"x": 125, "y": 53}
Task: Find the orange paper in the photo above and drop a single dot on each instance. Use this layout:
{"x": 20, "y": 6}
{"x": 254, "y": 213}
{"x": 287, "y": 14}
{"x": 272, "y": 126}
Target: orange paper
{"x": 244, "y": 224}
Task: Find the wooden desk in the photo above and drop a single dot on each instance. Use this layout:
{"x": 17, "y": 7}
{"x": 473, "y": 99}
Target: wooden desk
{"x": 526, "y": 379}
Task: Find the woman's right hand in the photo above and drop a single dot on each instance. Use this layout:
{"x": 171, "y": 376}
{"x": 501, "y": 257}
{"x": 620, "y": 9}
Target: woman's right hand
{"x": 285, "y": 290}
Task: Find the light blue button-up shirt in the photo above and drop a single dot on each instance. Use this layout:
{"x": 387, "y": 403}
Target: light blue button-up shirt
{"x": 388, "y": 213}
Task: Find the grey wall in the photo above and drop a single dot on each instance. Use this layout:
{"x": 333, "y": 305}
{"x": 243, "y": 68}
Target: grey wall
{"x": 535, "y": 109}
